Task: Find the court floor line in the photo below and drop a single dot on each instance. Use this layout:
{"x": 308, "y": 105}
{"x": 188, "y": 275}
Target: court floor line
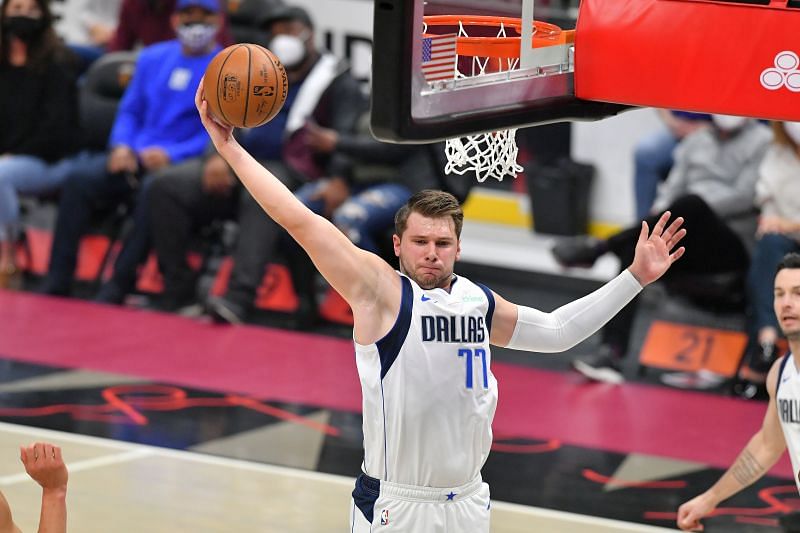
{"x": 87, "y": 464}
{"x": 134, "y": 451}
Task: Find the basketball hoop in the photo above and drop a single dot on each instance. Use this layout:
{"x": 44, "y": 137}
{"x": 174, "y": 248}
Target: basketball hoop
{"x": 492, "y": 49}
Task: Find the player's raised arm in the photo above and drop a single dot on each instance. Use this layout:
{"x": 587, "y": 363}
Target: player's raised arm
{"x": 525, "y": 328}
{"x": 357, "y": 275}
{"x": 761, "y": 452}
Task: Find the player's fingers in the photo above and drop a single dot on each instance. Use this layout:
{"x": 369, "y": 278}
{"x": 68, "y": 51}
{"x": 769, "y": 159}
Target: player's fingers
{"x": 673, "y": 228}
{"x": 23, "y": 456}
{"x": 644, "y": 232}
{"x": 676, "y": 238}
{"x": 198, "y": 95}
{"x": 57, "y": 453}
{"x": 38, "y": 450}
{"x": 677, "y": 254}
{"x": 658, "y": 229}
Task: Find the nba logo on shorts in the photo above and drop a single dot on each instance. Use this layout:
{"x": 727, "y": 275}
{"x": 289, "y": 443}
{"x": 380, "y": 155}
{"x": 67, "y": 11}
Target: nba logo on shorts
{"x": 385, "y": 517}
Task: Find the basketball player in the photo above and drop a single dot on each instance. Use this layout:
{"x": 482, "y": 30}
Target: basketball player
{"x": 422, "y": 339}
{"x": 44, "y": 464}
{"x": 781, "y": 425}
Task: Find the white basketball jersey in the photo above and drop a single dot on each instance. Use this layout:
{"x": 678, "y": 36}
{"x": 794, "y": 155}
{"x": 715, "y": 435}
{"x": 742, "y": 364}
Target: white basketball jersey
{"x": 787, "y": 401}
{"x": 428, "y": 391}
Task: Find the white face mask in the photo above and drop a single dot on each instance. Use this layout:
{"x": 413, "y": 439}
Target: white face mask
{"x": 196, "y": 37}
{"x": 792, "y": 129}
{"x": 728, "y": 122}
{"x": 290, "y": 49}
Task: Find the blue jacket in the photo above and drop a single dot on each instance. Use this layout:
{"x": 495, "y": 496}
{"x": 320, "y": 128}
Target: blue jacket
{"x": 158, "y": 109}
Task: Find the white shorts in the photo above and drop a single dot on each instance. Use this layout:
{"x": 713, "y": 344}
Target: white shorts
{"x": 380, "y": 506}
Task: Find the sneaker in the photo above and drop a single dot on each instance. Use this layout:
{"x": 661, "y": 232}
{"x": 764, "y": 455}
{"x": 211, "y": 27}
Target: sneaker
{"x": 749, "y": 390}
{"x": 224, "y": 311}
{"x": 110, "y": 293}
{"x": 701, "y": 380}
{"x": 602, "y": 366}
{"x": 580, "y": 251}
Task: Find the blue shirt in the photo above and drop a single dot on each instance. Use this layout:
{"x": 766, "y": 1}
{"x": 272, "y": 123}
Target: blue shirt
{"x": 265, "y": 142}
{"x": 158, "y": 108}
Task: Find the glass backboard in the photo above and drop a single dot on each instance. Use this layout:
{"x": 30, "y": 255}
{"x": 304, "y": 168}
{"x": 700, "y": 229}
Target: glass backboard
{"x": 447, "y": 68}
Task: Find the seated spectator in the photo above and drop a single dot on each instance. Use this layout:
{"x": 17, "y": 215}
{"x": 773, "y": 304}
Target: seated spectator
{"x": 87, "y": 27}
{"x": 778, "y": 197}
{"x": 711, "y": 187}
{"x": 320, "y": 88}
{"x": 43, "y": 463}
{"x": 363, "y": 201}
{"x": 653, "y": 157}
{"x": 156, "y": 127}
{"x": 142, "y": 23}
{"x": 38, "y": 115}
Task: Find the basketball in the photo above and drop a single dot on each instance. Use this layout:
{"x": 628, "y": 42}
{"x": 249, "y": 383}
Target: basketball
{"x": 245, "y": 86}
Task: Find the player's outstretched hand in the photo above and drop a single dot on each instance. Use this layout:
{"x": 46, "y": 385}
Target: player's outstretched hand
{"x": 221, "y": 134}
{"x": 690, "y": 513}
{"x": 44, "y": 464}
{"x": 654, "y": 250}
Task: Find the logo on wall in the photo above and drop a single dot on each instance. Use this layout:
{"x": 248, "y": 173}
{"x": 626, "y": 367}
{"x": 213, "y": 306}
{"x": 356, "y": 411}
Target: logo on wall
{"x": 785, "y": 73}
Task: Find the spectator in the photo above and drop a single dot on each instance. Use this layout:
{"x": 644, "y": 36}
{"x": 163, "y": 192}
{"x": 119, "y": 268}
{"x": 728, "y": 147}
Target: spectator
{"x": 43, "y": 463}
{"x": 363, "y": 201}
{"x": 155, "y": 127}
{"x": 142, "y": 23}
{"x": 778, "y": 197}
{"x": 711, "y": 187}
{"x": 87, "y": 27}
{"x": 653, "y": 157}
{"x": 320, "y": 88}
{"x": 38, "y": 114}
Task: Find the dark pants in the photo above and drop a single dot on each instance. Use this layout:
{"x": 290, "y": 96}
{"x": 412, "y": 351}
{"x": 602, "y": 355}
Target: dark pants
{"x": 88, "y": 189}
{"x": 178, "y": 206}
{"x": 711, "y": 247}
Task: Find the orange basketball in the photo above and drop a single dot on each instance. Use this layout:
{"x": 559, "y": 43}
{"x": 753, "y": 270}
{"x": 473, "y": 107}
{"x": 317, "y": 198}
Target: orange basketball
{"x": 245, "y": 85}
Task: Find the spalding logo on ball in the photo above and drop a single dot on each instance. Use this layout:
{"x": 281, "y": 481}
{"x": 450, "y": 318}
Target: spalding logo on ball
{"x": 245, "y": 86}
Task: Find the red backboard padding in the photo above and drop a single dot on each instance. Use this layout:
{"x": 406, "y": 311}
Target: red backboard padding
{"x": 693, "y": 55}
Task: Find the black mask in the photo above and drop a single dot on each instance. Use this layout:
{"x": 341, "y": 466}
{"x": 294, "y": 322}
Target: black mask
{"x": 26, "y": 29}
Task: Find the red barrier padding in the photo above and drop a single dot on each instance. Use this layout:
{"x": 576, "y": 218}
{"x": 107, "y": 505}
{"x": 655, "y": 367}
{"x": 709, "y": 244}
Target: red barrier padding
{"x": 693, "y": 55}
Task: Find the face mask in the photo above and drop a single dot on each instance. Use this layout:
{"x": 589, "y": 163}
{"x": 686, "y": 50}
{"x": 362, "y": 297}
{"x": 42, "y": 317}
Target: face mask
{"x": 792, "y": 129}
{"x": 290, "y": 49}
{"x": 728, "y": 122}
{"x": 197, "y": 36}
{"x": 25, "y": 29}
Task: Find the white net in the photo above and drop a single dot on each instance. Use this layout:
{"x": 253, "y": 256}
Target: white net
{"x": 492, "y": 154}
{"x": 489, "y": 155}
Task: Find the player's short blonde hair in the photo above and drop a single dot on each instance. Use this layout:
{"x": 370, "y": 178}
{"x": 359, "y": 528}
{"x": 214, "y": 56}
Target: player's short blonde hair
{"x": 430, "y": 203}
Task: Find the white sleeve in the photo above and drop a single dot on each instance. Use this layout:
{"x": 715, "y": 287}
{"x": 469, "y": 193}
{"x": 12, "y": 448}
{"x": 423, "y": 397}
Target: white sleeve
{"x": 572, "y": 323}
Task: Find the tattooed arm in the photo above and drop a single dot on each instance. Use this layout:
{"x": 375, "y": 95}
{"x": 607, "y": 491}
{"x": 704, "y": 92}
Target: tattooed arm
{"x": 763, "y": 451}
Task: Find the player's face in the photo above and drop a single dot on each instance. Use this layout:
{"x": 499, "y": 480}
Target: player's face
{"x": 787, "y": 302}
{"x": 23, "y": 8}
{"x": 428, "y": 249}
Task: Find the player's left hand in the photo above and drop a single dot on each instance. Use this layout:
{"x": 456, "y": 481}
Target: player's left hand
{"x": 654, "y": 253}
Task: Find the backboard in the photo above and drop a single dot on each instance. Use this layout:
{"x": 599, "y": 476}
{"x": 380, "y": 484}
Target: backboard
{"x": 505, "y": 71}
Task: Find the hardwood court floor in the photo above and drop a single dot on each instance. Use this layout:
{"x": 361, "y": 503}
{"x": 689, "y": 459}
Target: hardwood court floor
{"x": 131, "y": 488}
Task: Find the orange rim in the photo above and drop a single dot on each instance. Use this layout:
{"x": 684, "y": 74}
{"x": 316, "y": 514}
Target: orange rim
{"x": 545, "y": 34}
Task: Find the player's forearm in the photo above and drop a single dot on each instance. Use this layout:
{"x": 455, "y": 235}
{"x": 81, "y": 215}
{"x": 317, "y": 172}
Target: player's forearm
{"x": 53, "y": 518}
{"x": 751, "y": 464}
{"x": 272, "y": 195}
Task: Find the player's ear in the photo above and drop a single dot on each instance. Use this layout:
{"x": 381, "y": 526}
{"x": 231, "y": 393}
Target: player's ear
{"x": 458, "y": 250}
{"x": 396, "y": 243}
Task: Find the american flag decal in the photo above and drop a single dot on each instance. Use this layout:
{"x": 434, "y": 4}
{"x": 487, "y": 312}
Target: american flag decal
{"x": 439, "y": 57}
